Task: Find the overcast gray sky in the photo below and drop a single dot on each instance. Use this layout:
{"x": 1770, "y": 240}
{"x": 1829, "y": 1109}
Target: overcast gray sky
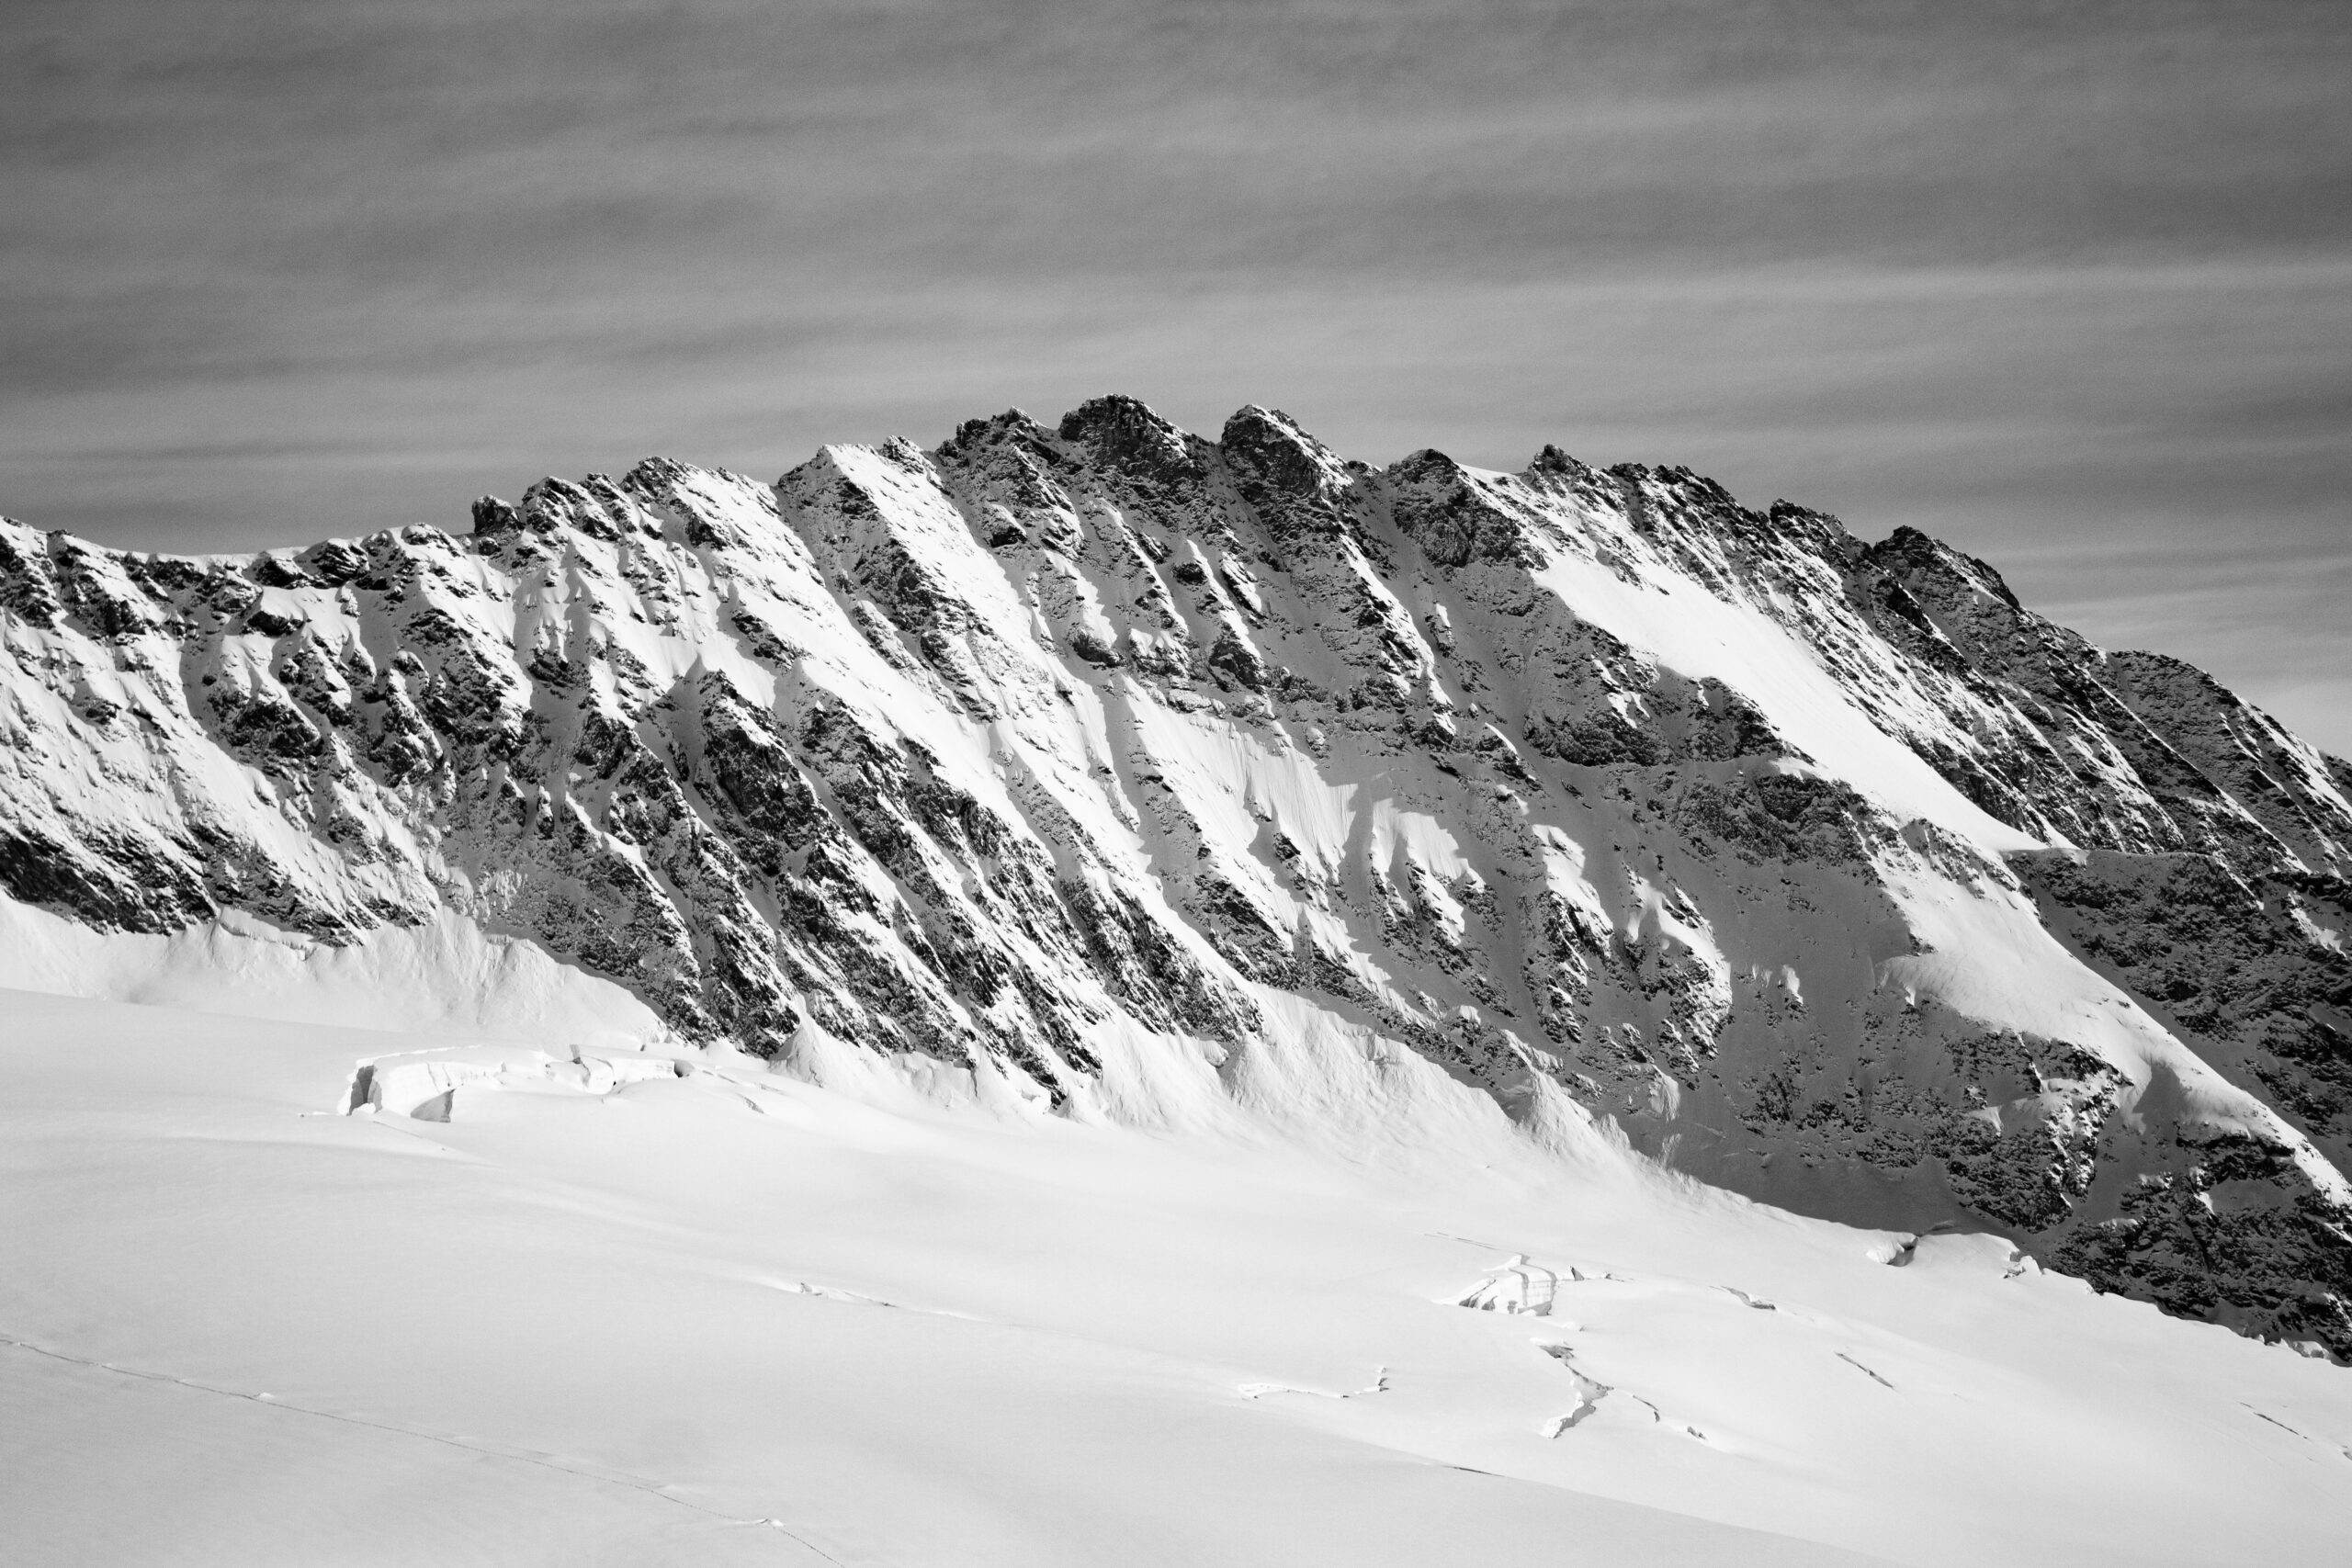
{"x": 2067, "y": 284}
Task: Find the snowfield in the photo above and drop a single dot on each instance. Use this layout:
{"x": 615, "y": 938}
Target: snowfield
{"x": 667, "y": 1306}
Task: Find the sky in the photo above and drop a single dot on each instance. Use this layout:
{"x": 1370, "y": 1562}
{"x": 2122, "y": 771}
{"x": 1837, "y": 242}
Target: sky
{"x": 2068, "y": 285}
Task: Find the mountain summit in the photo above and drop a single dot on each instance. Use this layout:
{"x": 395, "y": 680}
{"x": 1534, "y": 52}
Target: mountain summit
{"x": 1822, "y": 870}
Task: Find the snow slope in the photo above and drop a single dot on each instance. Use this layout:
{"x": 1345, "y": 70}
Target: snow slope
{"x": 630, "y": 1316}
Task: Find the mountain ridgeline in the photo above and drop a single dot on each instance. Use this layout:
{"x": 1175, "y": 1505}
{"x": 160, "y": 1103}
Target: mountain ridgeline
{"x": 1822, "y": 870}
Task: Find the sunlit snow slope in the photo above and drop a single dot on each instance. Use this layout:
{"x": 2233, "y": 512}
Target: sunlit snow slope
{"x": 1092, "y": 763}
{"x": 291, "y": 1293}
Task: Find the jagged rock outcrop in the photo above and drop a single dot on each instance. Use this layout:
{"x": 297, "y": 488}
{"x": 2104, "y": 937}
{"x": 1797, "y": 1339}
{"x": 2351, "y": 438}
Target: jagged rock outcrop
{"x": 1824, "y": 869}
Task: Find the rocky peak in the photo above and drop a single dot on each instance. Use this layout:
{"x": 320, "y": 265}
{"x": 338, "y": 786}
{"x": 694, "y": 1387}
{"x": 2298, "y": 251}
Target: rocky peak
{"x": 1287, "y": 475}
{"x": 1122, "y": 433}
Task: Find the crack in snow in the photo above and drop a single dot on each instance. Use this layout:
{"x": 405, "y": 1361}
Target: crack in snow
{"x": 1863, "y": 1370}
{"x": 1590, "y": 1391}
{"x": 1379, "y": 1385}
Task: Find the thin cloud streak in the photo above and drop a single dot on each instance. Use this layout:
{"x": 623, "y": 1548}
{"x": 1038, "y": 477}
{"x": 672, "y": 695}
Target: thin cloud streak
{"x": 2013, "y": 273}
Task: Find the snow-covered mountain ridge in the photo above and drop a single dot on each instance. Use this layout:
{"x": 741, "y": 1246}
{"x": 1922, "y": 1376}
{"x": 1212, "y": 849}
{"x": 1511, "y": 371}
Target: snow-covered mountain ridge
{"x": 1824, "y": 870}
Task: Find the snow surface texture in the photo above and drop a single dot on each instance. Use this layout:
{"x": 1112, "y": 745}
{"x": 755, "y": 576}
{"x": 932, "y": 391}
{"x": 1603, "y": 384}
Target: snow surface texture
{"x": 481, "y": 1302}
{"x": 1092, "y": 763}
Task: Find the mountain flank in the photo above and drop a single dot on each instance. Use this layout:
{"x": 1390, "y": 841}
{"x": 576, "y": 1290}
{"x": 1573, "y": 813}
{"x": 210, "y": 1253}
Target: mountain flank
{"x": 1818, "y": 868}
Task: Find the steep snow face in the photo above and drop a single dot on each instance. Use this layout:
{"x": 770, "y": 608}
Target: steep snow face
{"x": 1095, "y": 762}
{"x": 445, "y": 978}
